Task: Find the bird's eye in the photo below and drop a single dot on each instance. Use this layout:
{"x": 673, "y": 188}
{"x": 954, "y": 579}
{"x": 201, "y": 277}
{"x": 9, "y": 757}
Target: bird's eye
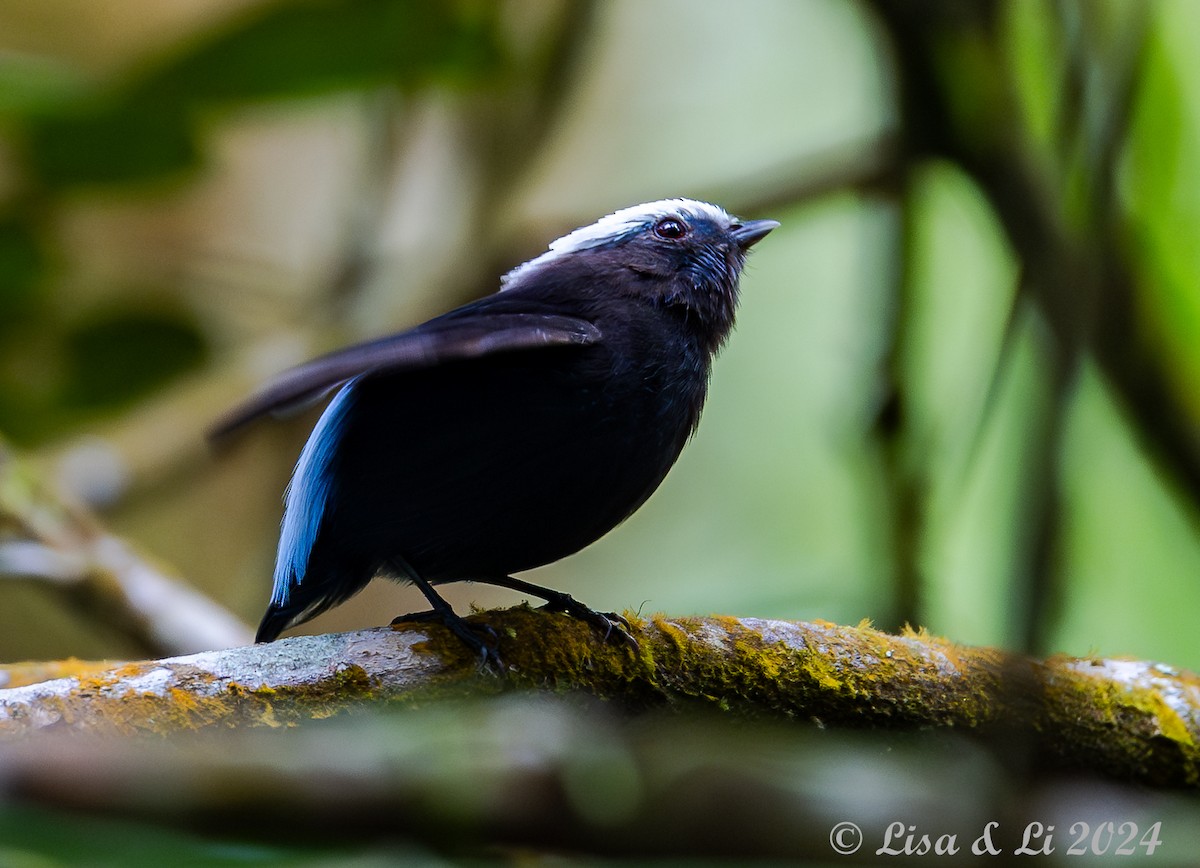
{"x": 670, "y": 228}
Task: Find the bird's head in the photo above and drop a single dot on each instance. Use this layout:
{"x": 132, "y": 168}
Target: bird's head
{"x": 677, "y": 253}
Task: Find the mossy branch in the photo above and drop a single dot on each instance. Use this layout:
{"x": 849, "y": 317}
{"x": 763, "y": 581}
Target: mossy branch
{"x": 1134, "y": 720}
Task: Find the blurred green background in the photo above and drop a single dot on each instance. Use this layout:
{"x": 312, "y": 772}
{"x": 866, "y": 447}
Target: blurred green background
{"x": 963, "y": 390}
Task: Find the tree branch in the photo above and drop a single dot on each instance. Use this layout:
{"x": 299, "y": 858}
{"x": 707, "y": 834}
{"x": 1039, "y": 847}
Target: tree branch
{"x": 1130, "y": 719}
{"x": 45, "y": 537}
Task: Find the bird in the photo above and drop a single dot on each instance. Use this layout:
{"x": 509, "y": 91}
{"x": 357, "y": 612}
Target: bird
{"x": 510, "y": 432}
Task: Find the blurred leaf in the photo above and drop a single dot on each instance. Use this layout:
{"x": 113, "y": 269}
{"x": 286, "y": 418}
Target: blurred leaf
{"x": 1131, "y": 552}
{"x": 1162, "y": 188}
{"x": 23, "y": 418}
{"x": 21, "y": 265}
{"x": 31, "y": 84}
{"x": 112, "y": 144}
{"x": 312, "y": 46}
{"x": 122, "y": 354}
{"x": 146, "y": 128}
{"x": 967, "y": 61}
{"x": 1033, "y": 48}
{"x": 961, "y": 424}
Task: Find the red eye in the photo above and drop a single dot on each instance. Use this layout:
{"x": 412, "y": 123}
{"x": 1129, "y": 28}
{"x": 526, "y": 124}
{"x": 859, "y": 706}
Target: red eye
{"x": 670, "y": 228}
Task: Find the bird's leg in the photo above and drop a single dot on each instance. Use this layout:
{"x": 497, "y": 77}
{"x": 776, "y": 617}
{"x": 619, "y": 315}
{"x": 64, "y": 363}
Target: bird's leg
{"x": 442, "y": 613}
{"x": 557, "y": 601}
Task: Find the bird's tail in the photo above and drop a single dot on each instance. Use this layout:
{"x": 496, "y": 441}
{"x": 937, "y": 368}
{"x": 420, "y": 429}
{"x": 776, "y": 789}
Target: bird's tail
{"x": 275, "y": 621}
{"x": 305, "y": 601}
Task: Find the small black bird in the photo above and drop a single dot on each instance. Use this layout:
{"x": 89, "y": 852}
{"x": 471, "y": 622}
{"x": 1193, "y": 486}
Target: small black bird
{"x": 512, "y": 431}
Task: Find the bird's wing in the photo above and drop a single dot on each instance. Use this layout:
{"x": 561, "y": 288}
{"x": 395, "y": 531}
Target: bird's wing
{"x": 448, "y": 338}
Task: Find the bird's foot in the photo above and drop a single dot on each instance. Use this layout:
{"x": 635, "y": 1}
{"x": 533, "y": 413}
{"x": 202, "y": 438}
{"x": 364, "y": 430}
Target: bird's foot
{"x": 557, "y": 601}
{"x": 469, "y": 634}
{"x": 613, "y": 626}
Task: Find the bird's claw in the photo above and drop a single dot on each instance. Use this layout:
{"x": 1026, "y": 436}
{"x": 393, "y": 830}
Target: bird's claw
{"x": 466, "y": 632}
{"x": 605, "y": 622}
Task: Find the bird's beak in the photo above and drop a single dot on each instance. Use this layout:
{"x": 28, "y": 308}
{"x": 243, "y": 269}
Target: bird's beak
{"x": 753, "y": 231}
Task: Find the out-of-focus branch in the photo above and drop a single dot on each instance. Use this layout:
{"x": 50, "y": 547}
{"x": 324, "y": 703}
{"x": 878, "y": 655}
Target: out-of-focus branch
{"x": 872, "y": 164}
{"x": 967, "y": 115}
{"x": 959, "y": 103}
{"x": 45, "y": 537}
{"x": 1131, "y": 719}
{"x": 537, "y": 774}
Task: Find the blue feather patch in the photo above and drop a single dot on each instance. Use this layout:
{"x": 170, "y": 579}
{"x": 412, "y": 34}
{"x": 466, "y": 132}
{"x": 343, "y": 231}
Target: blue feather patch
{"x": 307, "y": 495}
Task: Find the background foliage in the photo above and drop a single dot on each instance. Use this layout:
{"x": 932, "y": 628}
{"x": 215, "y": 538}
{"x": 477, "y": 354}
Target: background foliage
{"x": 962, "y": 393}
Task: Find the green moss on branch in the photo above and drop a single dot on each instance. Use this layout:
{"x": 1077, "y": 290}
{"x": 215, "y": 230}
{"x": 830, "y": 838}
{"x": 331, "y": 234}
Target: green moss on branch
{"x": 1133, "y": 719}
